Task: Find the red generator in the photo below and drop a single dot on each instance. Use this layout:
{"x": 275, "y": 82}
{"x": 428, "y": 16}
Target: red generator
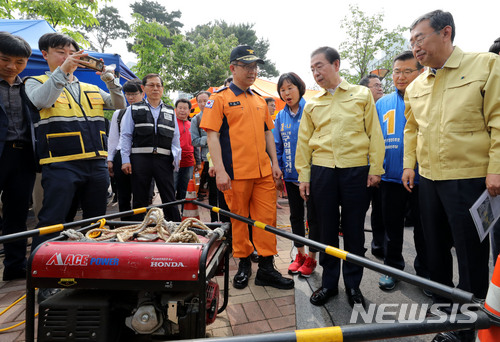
{"x": 127, "y": 291}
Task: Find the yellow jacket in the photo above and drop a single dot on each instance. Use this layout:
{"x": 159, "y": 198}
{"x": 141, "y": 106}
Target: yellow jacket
{"x": 340, "y": 130}
{"x": 453, "y": 118}
{"x": 71, "y": 131}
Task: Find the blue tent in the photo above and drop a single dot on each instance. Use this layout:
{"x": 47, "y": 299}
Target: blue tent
{"x": 32, "y": 30}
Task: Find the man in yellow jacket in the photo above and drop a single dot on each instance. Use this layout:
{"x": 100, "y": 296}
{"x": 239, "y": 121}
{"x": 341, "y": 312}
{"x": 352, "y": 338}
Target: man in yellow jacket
{"x": 340, "y": 152}
{"x": 70, "y": 132}
{"x": 453, "y": 132}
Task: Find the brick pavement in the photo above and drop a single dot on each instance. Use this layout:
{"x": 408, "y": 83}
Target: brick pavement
{"x": 255, "y": 309}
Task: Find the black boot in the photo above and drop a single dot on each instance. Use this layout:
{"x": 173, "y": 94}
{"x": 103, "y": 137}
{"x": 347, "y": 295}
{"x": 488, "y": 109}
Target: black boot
{"x": 267, "y": 275}
{"x": 240, "y": 280}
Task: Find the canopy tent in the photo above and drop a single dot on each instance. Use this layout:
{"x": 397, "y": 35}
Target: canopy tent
{"x": 32, "y": 30}
{"x": 265, "y": 89}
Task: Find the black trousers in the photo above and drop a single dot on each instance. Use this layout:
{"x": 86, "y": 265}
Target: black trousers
{"x": 123, "y": 185}
{"x": 394, "y": 202}
{"x": 145, "y": 167}
{"x": 447, "y": 222}
{"x": 216, "y": 198}
{"x": 17, "y": 176}
{"x": 89, "y": 179}
{"x": 297, "y": 216}
{"x": 378, "y": 229}
{"x": 330, "y": 189}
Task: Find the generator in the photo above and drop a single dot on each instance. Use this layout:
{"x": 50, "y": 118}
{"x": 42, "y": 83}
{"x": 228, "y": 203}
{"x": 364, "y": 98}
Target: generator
{"x": 127, "y": 291}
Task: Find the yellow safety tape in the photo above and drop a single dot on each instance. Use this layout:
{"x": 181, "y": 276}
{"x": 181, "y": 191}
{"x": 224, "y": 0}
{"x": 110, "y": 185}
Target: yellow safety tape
{"x": 215, "y": 209}
{"x": 139, "y": 211}
{"x": 331, "y": 334}
{"x": 51, "y": 229}
{"x": 338, "y": 253}
{"x": 260, "y": 225}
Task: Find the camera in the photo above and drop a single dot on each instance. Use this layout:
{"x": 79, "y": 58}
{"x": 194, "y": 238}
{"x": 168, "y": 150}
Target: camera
{"x": 94, "y": 63}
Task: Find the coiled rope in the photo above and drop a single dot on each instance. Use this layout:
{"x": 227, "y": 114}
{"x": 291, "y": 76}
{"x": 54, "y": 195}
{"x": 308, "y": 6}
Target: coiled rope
{"x": 166, "y": 231}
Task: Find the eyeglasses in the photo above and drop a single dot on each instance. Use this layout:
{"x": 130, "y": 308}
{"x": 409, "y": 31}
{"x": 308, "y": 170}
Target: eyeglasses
{"x": 248, "y": 67}
{"x": 154, "y": 85}
{"x": 318, "y": 67}
{"x": 421, "y": 39}
{"x": 407, "y": 72}
{"x": 376, "y": 85}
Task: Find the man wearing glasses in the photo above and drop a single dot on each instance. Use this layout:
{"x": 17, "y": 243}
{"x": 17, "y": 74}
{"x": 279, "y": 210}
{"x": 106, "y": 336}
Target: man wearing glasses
{"x": 340, "y": 152}
{"x": 373, "y": 82}
{"x": 453, "y": 132}
{"x": 242, "y": 149}
{"x": 394, "y": 197}
{"x": 150, "y": 146}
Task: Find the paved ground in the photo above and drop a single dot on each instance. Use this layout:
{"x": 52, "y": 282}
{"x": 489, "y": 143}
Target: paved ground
{"x": 259, "y": 309}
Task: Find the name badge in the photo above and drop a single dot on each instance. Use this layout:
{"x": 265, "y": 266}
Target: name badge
{"x": 232, "y": 104}
{"x": 167, "y": 116}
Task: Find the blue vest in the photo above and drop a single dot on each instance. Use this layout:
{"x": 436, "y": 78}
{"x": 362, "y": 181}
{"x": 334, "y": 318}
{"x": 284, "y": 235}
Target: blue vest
{"x": 285, "y": 132}
{"x": 391, "y": 114}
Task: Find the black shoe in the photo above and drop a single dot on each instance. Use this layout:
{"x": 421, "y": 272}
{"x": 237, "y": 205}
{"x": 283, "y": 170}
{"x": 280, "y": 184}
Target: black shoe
{"x": 321, "y": 295}
{"x": 455, "y": 336}
{"x": 9, "y": 274}
{"x": 254, "y": 257}
{"x": 354, "y": 296}
{"x": 43, "y": 294}
{"x": 240, "y": 280}
{"x": 267, "y": 275}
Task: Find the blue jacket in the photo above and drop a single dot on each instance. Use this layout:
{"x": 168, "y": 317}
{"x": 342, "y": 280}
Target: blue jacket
{"x": 285, "y": 136}
{"x": 391, "y": 114}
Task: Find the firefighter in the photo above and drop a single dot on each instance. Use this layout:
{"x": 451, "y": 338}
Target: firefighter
{"x": 242, "y": 148}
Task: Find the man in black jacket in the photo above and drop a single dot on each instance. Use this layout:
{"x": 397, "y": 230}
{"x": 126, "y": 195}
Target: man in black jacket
{"x": 17, "y": 161}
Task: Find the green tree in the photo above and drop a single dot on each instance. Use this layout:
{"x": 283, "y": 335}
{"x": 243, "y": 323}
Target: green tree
{"x": 61, "y": 14}
{"x": 244, "y": 33}
{"x": 366, "y": 38}
{"x": 153, "y": 12}
{"x": 193, "y": 67}
{"x": 149, "y": 49}
{"x": 110, "y": 27}
{"x": 7, "y": 9}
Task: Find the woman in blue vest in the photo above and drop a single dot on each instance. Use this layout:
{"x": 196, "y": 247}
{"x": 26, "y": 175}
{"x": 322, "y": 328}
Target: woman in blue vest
{"x": 291, "y": 88}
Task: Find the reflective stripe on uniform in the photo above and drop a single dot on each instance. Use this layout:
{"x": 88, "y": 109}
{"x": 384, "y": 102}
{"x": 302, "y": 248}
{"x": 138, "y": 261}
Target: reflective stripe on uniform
{"x": 167, "y": 127}
{"x": 71, "y": 157}
{"x": 159, "y": 150}
{"x": 66, "y": 119}
{"x": 144, "y": 125}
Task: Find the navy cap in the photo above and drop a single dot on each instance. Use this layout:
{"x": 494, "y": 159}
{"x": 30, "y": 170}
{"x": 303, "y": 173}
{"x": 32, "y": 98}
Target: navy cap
{"x": 245, "y": 54}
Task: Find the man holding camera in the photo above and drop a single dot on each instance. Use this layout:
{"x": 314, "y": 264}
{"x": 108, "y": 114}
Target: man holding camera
{"x": 70, "y": 132}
